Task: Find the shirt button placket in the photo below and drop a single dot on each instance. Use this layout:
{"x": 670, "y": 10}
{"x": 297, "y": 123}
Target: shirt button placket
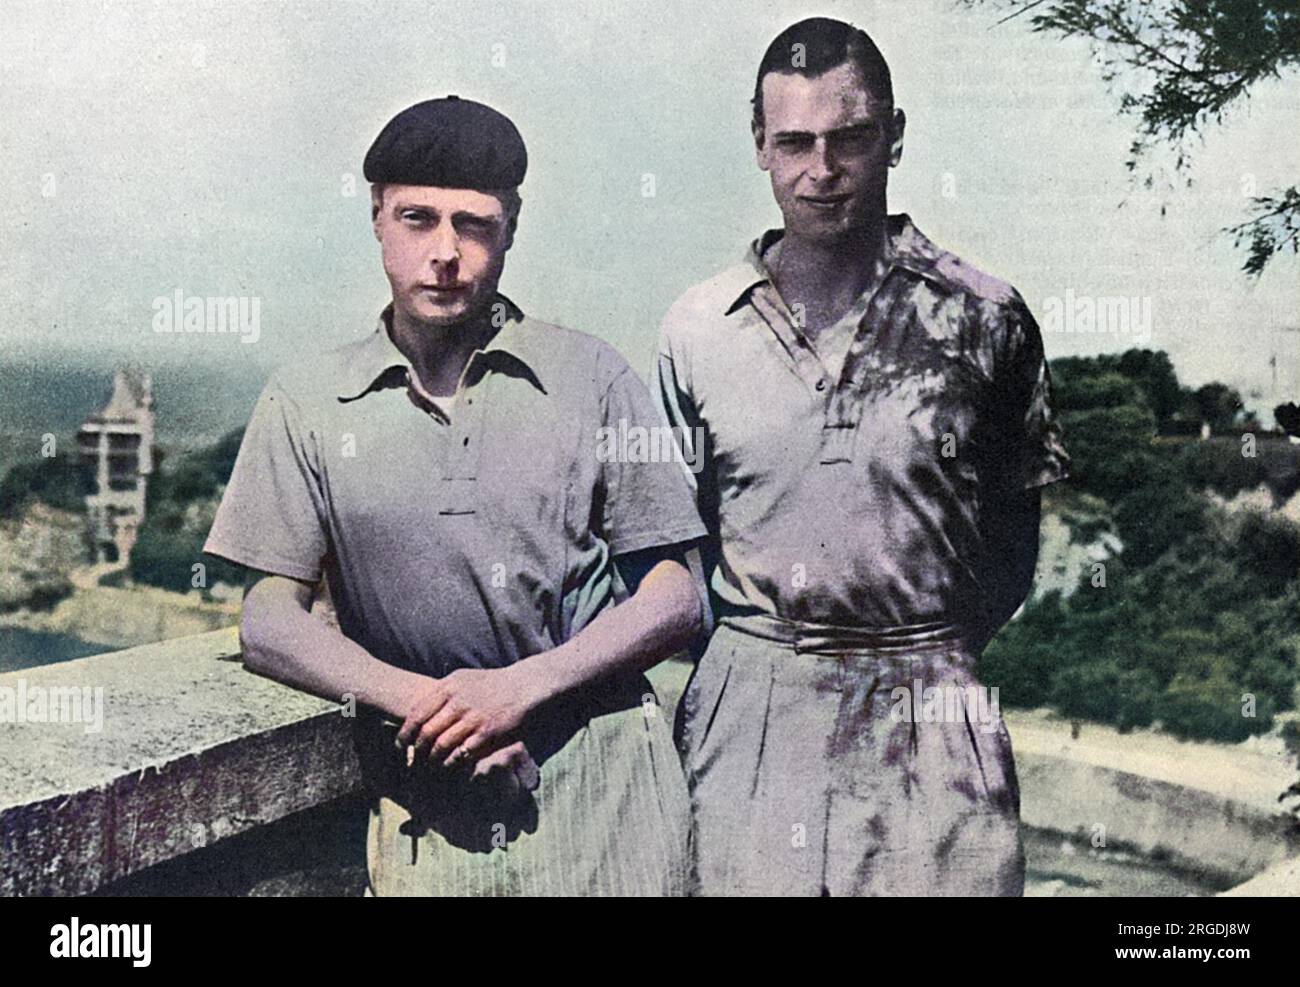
{"x": 460, "y": 472}
{"x": 838, "y": 431}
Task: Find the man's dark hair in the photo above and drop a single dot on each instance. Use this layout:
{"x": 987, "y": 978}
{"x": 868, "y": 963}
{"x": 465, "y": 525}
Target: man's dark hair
{"x": 825, "y": 44}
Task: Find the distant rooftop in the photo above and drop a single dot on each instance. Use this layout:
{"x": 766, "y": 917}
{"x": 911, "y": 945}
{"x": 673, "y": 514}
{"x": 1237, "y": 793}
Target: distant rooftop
{"x": 132, "y": 394}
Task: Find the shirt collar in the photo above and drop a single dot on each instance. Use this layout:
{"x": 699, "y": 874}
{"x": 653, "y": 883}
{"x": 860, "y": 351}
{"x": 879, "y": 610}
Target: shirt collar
{"x": 905, "y": 246}
{"x": 377, "y": 353}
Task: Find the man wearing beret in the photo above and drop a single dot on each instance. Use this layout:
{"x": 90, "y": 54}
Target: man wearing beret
{"x": 500, "y": 584}
{"x": 873, "y": 485}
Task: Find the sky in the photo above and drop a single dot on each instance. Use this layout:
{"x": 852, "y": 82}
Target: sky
{"x": 216, "y": 148}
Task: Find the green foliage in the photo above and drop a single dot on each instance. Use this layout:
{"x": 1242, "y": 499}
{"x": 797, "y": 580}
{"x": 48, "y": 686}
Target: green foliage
{"x": 1153, "y": 372}
{"x": 182, "y": 503}
{"x": 163, "y": 554}
{"x": 1086, "y": 386}
{"x": 1273, "y": 227}
{"x": 1181, "y": 642}
{"x": 1178, "y": 68}
{"x": 37, "y": 551}
{"x": 1210, "y": 708}
{"x": 59, "y": 481}
{"x": 1156, "y": 516}
{"x": 1021, "y": 660}
{"x": 1199, "y": 612}
{"x": 1287, "y": 417}
{"x": 1207, "y": 465}
{"x": 197, "y": 475}
{"x": 1139, "y": 698}
{"x": 167, "y": 549}
{"x": 1291, "y": 736}
{"x": 1269, "y": 549}
{"x": 1088, "y": 691}
{"x": 1110, "y": 448}
{"x": 1219, "y": 405}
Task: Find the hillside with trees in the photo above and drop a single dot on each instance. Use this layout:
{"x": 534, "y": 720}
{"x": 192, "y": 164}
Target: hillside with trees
{"x": 181, "y": 504}
{"x": 1195, "y": 623}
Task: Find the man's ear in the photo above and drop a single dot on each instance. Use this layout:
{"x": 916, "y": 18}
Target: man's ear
{"x": 896, "y": 148}
{"x": 376, "y": 207}
{"x": 513, "y": 204}
{"x": 760, "y": 146}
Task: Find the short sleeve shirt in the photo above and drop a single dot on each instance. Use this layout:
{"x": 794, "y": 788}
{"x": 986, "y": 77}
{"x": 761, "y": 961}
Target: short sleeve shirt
{"x": 470, "y": 536}
{"x": 857, "y": 500}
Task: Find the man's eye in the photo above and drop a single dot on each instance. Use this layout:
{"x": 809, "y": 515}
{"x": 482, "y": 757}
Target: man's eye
{"x": 793, "y": 143}
{"x": 415, "y": 217}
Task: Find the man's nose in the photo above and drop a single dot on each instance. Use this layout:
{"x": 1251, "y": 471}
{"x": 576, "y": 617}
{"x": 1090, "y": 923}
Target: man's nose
{"x": 444, "y": 247}
{"x": 822, "y": 165}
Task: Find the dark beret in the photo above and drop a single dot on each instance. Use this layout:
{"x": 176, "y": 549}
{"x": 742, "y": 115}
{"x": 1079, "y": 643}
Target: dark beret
{"x": 452, "y": 143}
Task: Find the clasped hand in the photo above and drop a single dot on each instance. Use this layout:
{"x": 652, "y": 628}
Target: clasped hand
{"x": 472, "y": 717}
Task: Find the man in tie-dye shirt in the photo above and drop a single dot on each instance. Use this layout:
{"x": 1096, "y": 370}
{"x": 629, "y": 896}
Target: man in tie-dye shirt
{"x": 877, "y": 429}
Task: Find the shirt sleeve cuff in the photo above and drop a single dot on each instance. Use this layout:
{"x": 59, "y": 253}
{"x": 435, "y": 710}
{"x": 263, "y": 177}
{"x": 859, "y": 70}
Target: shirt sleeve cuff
{"x": 635, "y": 541}
{"x": 263, "y": 561}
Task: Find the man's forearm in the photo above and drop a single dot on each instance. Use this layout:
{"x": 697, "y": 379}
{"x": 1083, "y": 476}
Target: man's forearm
{"x": 658, "y": 620}
{"x": 288, "y": 644}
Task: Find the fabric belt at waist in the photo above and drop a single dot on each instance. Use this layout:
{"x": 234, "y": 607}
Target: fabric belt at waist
{"x": 830, "y": 639}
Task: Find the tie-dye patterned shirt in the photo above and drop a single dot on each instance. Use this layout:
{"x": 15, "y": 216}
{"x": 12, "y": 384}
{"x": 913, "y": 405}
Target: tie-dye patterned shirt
{"x": 856, "y": 500}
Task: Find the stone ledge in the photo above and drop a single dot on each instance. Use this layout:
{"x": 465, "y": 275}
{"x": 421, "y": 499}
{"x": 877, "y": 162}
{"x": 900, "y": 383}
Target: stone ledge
{"x": 1192, "y": 829}
{"x": 193, "y": 749}
{"x": 196, "y": 751}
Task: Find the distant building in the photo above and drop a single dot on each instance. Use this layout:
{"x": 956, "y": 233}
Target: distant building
{"x": 116, "y": 443}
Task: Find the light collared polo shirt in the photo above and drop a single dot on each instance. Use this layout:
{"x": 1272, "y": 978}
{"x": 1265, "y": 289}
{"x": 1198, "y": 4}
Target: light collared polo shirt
{"x": 856, "y": 499}
{"x": 467, "y": 538}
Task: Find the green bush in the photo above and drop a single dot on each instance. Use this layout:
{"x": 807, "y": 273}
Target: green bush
{"x": 59, "y": 481}
{"x": 1158, "y": 516}
{"x": 1021, "y": 660}
{"x": 197, "y": 475}
{"x": 1090, "y": 691}
{"x": 166, "y": 551}
{"x": 1211, "y": 709}
{"x": 1086, "y": 391}
{"x": 1110, "y": 449}
{"x": 182, "y": 500}
{"x": 1220, "y": 468}
{"x": 1200, "y": 609}
{"x": 1139, "y": 692}
{"x": 163, "y": 556}
{"x": 1269, "y": 551}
